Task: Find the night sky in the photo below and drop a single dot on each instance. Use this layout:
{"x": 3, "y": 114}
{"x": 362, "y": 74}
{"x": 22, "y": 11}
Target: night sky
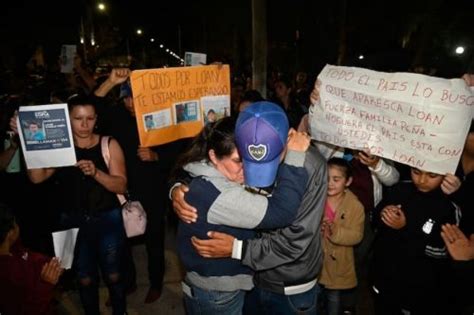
{"x": 392, "y": 35}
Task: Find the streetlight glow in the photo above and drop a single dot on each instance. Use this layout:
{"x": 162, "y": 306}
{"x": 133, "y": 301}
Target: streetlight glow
{"x": 152, "y": 40}
{"x": 361, "y": 57}
{"x": 167, "y": 50}
{"x": 161, "y": 46}
{"x": 139, "y": 32}
{"x": 460, "y": 50}
{"x": 101, "y": 6}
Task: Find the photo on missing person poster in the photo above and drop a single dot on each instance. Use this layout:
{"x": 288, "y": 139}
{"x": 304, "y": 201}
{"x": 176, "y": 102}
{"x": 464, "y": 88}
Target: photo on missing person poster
{"x": 186, "y": 112}
{"x": 215, "y": 108}
{"x": 46, "y": 136}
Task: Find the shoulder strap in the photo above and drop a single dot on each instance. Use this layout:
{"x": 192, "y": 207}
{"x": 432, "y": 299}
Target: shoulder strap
{"x": 104, "y": 146}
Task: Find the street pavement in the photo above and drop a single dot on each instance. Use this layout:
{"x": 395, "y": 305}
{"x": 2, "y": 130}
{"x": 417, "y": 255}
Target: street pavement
{"x": 170, "y": 302}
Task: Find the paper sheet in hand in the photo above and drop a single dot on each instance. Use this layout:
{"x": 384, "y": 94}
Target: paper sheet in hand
{"x": 64, "y": 243}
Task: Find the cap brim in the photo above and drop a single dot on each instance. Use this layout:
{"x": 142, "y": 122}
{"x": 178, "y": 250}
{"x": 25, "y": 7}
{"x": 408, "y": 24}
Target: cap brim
{"x": 260, "y": 174}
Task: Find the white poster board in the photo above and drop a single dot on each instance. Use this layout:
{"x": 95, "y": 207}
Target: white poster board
{"x": 410, "y": 118}
{"x": 194, "y": 59}
{"x": 46, "y": 136}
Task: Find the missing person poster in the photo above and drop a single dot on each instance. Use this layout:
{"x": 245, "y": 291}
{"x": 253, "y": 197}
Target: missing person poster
{"x": 175, "y": 103}
{"x": 194, "y": 59}
{"x": 46, "y": 136}
{"x": 410, "y": 118}
{"x": 68, "y": 52}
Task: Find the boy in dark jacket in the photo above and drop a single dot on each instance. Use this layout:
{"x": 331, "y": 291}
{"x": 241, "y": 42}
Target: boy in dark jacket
{"x": 411, "y": 263}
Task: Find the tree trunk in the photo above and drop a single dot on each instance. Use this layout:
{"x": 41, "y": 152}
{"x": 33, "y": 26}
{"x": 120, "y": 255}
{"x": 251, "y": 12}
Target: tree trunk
{"x": 341, "y": 56}
{"x": 259, "y": 46}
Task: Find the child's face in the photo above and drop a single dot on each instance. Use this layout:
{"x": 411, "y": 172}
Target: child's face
{"x": 426, "y": 181}
{"x": 338, "y": 181}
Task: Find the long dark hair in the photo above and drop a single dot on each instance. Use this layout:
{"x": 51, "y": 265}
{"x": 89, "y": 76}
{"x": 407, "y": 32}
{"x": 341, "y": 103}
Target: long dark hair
{"x": 217, "y": 136}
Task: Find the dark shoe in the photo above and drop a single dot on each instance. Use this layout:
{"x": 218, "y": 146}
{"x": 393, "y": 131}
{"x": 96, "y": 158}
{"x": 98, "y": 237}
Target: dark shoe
{"x": 129, "y": 291}
{"x": 152, "y": 296}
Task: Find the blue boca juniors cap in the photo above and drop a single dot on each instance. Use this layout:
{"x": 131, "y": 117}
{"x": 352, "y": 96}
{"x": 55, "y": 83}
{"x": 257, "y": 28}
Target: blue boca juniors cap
{"x": 261, "y": 133}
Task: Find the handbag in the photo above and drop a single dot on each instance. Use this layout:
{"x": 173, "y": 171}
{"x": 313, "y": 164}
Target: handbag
{"x": 133, "y": 214}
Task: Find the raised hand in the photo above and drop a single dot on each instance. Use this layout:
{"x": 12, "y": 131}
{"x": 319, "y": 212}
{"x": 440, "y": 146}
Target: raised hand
{"x": 450, "y": 184}
{"x": 298, "y": 141}
{"x": 119, "y": 75}
{"x": 368, "y": 159}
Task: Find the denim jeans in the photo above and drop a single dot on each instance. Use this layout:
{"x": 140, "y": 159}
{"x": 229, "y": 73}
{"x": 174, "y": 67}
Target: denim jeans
{"x": 301, "y": 304}
{"x": 100, "y": 243}
{"x": 208, "y": 302}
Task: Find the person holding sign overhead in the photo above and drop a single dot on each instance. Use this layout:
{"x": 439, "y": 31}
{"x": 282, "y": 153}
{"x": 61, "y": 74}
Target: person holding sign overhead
{"x": 147, "y": 173}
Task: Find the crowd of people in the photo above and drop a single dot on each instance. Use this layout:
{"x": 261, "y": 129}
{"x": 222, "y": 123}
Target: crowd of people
{"x": 375, "y": 228}
{"x": 270, "y": 221}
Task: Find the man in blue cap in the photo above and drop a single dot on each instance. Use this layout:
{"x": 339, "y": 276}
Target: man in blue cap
{"x": 287, "y": 260}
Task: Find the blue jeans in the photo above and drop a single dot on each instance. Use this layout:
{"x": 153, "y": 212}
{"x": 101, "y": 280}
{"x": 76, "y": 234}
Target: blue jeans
{"x": 207, "y": 302}
{"x": 100, "y": 243}
{"x": 301, "y": 304}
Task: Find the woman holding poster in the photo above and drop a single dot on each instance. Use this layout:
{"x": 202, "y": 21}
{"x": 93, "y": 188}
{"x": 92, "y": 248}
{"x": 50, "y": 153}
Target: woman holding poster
{"x": 86, "y": 196}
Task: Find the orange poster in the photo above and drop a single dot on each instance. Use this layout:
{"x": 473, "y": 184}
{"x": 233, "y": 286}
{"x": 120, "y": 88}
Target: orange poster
{"x": 175, "y": 103}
